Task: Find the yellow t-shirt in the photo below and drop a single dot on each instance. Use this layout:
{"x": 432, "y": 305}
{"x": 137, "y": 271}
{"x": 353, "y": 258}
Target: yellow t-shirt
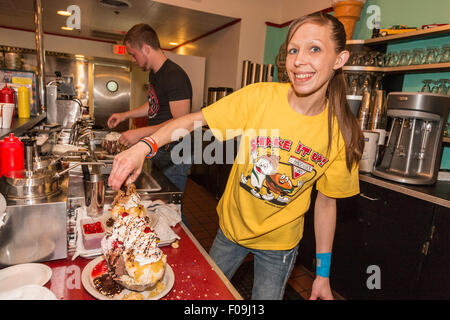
{"x": 281, "y": 155}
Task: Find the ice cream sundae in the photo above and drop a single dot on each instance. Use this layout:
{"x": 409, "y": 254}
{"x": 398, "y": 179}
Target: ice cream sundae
{"x": 128, "y": 201}
{"x": 130, "y": 247}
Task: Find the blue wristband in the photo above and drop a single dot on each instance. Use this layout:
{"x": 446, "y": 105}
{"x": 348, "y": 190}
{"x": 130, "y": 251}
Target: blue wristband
{"x": 323, "y": 263}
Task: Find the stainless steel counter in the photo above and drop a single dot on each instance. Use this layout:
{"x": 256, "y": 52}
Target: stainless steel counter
{"x": 20, "y": 125}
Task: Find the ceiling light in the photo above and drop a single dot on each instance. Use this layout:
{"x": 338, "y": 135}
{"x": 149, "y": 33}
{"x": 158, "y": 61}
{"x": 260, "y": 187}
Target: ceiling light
{"x": 173, "y": 43}
{"x": 64, "y": 13}
{"x": 66, "y": 28}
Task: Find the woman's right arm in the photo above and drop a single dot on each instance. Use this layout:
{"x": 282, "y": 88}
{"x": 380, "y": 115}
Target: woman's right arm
{"x": 129, "y": 162}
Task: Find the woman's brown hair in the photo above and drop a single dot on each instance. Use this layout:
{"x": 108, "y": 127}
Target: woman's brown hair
{"x": 336, "y": 92}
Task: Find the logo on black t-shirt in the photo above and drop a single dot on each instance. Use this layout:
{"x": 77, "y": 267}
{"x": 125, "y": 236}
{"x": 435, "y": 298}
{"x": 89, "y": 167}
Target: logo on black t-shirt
{"x": 153, "y": 104}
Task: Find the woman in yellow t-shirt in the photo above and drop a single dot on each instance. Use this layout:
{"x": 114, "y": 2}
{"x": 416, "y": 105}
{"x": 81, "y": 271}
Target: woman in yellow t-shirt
{"x": 293, "y": 136}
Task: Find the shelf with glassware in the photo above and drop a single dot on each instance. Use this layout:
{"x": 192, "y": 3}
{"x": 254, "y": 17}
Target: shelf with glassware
{"x": 376, "y": 65}
{"x": 436, "y": 67}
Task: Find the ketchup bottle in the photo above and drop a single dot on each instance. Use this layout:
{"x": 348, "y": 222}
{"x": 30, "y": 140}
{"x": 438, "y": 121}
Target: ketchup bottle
{"x": 11, "y": 155}
{"x": 6, "y": 95}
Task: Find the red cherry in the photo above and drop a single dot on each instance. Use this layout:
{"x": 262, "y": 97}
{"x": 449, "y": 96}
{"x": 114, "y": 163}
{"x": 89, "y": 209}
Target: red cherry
{"x": 147, "y": 230}
{"x": 124, "y": 214}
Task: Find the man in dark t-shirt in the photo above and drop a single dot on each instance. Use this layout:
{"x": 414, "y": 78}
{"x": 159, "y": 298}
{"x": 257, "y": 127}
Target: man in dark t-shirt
{"x": 169, "y": 96}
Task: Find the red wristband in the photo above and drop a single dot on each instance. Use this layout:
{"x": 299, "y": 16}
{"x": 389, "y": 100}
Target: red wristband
{"x": 151, "y": 143}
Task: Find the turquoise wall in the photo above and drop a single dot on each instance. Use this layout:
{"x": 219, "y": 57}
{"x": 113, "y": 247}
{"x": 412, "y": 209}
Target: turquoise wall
{"x": 414, "y": 13}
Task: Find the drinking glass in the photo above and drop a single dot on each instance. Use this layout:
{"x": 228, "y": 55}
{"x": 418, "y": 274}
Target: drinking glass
{"x": 426, "y": 87}
{"x": 418, "y": 56}
{"x": 372, "y": 58}
{"x": 381, "y": 59}
{"x": 430, "y": 56}
{"x": 444, "y": 55}
{"x": 393, "y": 59}
{"x": 405, "y": 58}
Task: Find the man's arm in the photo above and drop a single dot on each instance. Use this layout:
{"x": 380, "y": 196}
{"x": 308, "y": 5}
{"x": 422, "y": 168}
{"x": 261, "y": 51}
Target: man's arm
{"x": 177, "y": 108}
{"x": 117, "y": 118}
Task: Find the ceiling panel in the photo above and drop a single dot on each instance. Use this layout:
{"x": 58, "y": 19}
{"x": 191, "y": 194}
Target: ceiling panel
{"x": 172, "y": 23}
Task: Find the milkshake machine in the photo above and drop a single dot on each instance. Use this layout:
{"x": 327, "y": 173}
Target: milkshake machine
{"x": 413, "y": 151}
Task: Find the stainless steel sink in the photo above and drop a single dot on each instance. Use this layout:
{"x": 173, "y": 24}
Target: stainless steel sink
{"x": 144, "y": 183}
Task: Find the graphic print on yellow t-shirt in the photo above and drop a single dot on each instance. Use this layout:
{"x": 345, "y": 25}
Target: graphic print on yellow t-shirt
{"x": 276, "y": 181}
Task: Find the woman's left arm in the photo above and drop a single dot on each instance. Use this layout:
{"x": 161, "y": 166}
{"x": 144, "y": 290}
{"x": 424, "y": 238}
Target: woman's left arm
{"x": 324, "y": 227}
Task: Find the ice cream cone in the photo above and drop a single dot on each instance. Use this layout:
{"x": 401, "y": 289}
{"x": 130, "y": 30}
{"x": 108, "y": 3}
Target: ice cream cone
{"x": 348, "y": 13}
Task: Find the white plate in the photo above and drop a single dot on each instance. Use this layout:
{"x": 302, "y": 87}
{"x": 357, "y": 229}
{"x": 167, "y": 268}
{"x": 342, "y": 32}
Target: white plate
{"x": 86, "y": 278}
{"x": 24, "y": 274}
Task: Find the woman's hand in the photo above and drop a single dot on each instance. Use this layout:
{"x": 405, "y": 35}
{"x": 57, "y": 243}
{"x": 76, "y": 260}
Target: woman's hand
{"x": 127, "y": 165}
{"x": 115, "y": 119}
{"x": 321, "y": 289}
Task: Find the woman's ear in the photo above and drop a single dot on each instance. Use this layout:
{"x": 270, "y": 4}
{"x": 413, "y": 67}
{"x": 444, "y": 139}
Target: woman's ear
{"x": 341, "y": 59}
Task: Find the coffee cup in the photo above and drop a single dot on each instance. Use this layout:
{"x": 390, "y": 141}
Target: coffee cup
{"x": 369, "y": 155}
{"x": 7, "y": 114}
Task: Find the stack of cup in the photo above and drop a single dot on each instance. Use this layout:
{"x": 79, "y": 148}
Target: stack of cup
{"x": 6, "y": 106}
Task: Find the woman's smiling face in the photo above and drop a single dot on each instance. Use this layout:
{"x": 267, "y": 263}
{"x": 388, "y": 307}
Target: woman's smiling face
{"x": 312, "y": 59}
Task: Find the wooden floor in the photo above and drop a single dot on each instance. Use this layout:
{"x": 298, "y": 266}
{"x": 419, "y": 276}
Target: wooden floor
{"x": 199, "y": 207}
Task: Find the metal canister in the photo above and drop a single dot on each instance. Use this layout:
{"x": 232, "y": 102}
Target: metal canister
{"x": 246, "y": 70}
{"x": 212, "y": 95}
{"x": 378, "y": 112}
{"x": 364, "y": 111}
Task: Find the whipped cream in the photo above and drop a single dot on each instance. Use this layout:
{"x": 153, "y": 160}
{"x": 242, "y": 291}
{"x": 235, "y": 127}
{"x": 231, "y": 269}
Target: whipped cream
{"x": 136, "y": 238}
{"x": 133, "y": 201}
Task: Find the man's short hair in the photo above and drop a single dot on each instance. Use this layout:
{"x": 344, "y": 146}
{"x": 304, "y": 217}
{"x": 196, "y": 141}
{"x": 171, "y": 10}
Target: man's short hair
{"x": 140, "y": 34}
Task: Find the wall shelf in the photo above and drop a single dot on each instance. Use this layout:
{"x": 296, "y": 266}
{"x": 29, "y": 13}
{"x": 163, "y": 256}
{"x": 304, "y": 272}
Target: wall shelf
{"x": 407, "y": 36}
{"x": 422, "y": 68}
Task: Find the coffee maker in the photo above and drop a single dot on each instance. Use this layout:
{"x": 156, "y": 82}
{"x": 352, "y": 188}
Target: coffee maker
{"x": 413, "y": 151}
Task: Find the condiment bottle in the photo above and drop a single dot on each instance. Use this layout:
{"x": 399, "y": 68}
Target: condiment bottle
{"x": 11, "y": 154}
{"x": 6, "y": 95}
{"x": 24, "y": 102}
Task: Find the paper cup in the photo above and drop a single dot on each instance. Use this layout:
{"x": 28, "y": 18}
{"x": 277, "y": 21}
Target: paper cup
{"x": 370, "y": 151}
{"x": 7, "y": 115}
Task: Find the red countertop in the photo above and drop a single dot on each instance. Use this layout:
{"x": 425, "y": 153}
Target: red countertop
{"x": 196, "y": 275}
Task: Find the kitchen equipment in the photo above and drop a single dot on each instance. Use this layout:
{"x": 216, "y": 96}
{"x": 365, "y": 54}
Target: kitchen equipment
{"x": 368, "y": 157}
{"x": 246, "y": 71}
{"x": 33, "y": 186}
{"x": 354, "y": 101}
{"x": 378, "y": 111}
{"x": 61, "y": 111}
{"x": 414, "y": 145}
{"x": 111, "y": 94}
{"x": 364, "y": 110}
{"x": 35, "y": 232}
{"x": 11, "y": 154}
{"x": 94, "y": 193}
{"x": 13, "y": 60}
{"x": 212, "y": 95}
{"x": 215, "y": 94}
